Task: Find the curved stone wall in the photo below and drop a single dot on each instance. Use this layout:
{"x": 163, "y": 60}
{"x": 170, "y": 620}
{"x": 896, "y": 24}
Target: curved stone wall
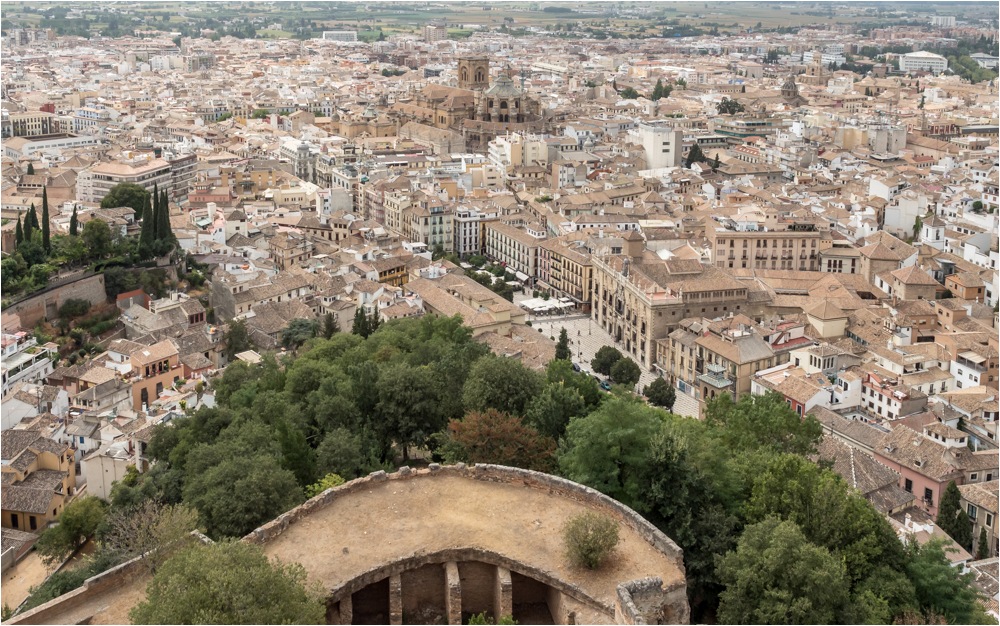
{"x": 449, "y": 538}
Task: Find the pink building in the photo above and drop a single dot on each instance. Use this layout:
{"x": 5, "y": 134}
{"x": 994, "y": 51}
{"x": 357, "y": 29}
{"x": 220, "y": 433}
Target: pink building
{"x": 927, "y": 461}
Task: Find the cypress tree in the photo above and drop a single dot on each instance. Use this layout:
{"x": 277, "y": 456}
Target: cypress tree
{"x": 74, "y": 223}
{"x": 360, "y": 326}
{"x": 156, "y": 213}
{"x": 31, "y": 170}
{"x": 27, "y": 224}
{"x": 148, "y": 224}
{"x": 46, "y": 236}
{"x": 983, "y": 549}
{"x": 18, "y": 231}
{"x": 33, "y": 214}
{"x": 163, "y": 227}
{"x": 952, "y": 519}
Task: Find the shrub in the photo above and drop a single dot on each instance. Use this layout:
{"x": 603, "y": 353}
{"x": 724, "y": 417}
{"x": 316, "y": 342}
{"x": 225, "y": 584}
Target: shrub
{"x": 589, "y": 539}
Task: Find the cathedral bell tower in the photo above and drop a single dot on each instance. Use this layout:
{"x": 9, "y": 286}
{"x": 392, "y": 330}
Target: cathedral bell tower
{"x": 474, "y": 72}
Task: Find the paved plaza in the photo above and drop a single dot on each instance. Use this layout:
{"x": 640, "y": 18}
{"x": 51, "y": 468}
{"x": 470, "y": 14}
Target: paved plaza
{"x": 587, "y": 337}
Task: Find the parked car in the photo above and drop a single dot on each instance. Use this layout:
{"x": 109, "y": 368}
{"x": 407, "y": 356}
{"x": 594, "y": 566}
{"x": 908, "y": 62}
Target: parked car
{"x": 606, "y": 385}
{"x": 576, "y": 367}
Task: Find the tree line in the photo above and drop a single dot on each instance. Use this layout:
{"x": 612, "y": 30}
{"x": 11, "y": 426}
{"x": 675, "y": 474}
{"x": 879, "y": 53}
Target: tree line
{"x": 768, "y": 535}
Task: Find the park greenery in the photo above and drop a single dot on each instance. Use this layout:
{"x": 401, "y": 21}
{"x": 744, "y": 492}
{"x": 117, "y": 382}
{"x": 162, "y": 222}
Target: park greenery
{"x": 736, "y": 491}
{"x": 40, "y": 255}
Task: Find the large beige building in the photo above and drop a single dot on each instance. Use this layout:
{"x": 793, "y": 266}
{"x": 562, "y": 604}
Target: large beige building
{"x": 173, "y": 175}
{"x": 639, "y": 298}
{"x": 768, "y": 240}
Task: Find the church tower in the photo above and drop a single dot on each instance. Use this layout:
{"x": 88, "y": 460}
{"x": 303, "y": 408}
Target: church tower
{"x": 474, "y": 72}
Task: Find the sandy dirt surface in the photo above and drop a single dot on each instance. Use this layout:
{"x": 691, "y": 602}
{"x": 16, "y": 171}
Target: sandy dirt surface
{"x": 431, "y": 513}
{"x": 18, "y": 580}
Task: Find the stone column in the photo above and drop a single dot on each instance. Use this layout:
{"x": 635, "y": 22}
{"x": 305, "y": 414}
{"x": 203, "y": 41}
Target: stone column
{"x": 453, "y": 593}
{"x": 345, "y": 611}
{"x": 395, "y": 600}
{"x": 503, "y": 594}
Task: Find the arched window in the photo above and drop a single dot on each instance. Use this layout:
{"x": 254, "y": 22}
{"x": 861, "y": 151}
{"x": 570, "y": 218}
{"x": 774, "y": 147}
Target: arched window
{"x": 465, "y": 74}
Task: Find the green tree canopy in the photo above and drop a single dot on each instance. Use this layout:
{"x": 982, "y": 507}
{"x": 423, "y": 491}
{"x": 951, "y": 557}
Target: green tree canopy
{"x": 661, "y": 393}
{"x": 97, "y": 236}
{"x": 551, "y": 410}
{"x": 605, "y": 359}
{"x": 237, "y": 339}
{"x": 46, "y": 237}
{"x": 625, "y": 372}
{"x": 502, "y": 384}
{"x": 298, "y": 332}
{"x": 409, "y": 407}
{"x": 559, "y": 371}
{"x": 79, "y": 520}
{"x": 126, "y": 194}
{"x": 730, "y": 107}
{"x": 608, "y": 449}
{"x": 229, "y": 583}
{"x": 941, "y": 588}
{"x": 952, "y": 519}
{"x": 240, "y": 491}
{"x": 776, "y": 576}
{"x": 763, "y": 422}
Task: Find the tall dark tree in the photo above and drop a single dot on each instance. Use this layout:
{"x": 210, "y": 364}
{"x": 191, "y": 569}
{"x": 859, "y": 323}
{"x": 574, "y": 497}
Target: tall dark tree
{"x": 31, "y": 170}
{"x": 46, "y": 236}
{"x": 952, "y": 519}
{"x": 18, "y": 231}
{"x": 695, "y": 155}
{"x": 983, "y": 548}
{"x": 163, "y": 230}
{"x": 156, "y": 212}
{"x": 374, "y": 321}
{"x": 657, "y": 90}
{"x": 562, "y": 347}
{"x": 329, "y": 326}
{"x": 360, "y": 326}
{"x": 29, "y": 223}
{"x": 146, "y": 235}
{"x": 74, "y": 223}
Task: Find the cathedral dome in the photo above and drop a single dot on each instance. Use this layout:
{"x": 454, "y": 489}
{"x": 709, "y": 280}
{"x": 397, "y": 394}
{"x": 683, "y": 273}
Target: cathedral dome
{"x": 504, "y": 87}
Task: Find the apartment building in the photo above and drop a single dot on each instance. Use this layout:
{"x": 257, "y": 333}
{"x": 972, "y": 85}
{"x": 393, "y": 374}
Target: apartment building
{"x": 885, "y": 398}
{"x": 39, "y": 476}
{"x": 154, "y": 369}
{"x": 173, "y": 175}
{"x": 470, "y": 225}
{"x": 662, "y": 143}
{"x": 516, "y": 248}
{"x": 929, "y": 459}
{"x": 707, "y": 359}
{"x": 757, "y": 240}
{"x": 922, "y": 61}
{"x": 564, "y": 266}
{"x": 30, "y": 124}
{"x": 24, "y": 359}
